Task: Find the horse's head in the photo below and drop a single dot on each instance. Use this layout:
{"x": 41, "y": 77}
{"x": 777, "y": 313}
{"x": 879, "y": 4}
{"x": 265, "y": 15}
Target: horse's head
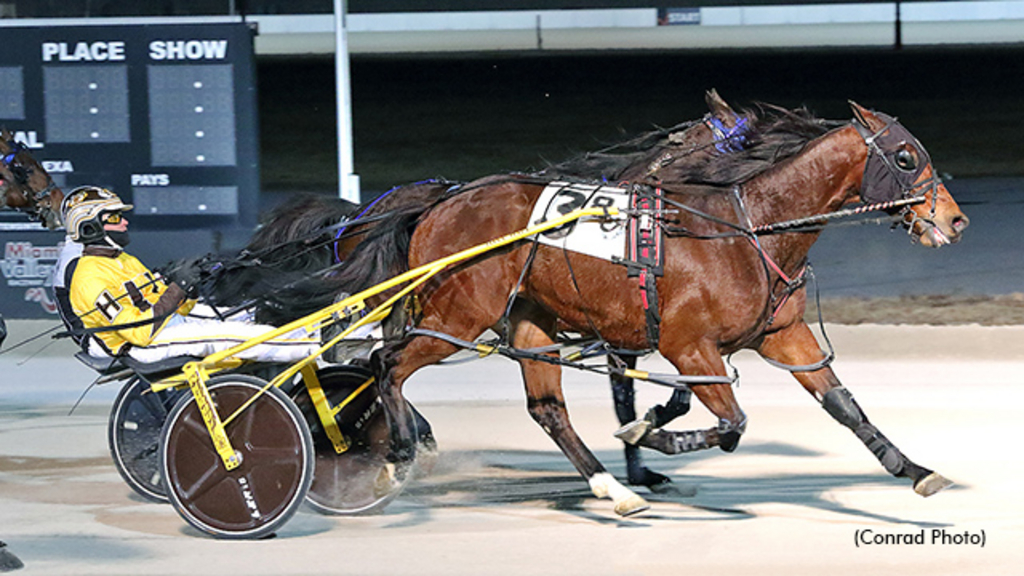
{"x": 899, "y": 168}
{"x": 25, "y": 185}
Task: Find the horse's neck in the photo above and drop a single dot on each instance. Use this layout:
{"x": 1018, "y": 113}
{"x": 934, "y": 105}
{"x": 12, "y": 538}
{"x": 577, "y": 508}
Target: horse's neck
{"x": 818, "y": 180}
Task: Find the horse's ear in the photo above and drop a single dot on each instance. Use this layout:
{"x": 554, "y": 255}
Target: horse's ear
{"x": 865, "y": 117}
{"x": 719, "y": 108}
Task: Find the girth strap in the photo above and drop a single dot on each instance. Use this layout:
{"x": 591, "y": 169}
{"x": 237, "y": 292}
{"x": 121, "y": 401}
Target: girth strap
{"x": 645, "y": 255}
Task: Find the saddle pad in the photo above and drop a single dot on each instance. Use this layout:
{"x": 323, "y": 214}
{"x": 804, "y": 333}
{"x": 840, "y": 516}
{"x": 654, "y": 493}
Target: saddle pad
{"x": 605, "y": 240}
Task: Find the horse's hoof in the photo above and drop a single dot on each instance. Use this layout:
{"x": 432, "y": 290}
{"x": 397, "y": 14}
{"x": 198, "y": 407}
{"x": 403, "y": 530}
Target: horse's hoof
{"x": 632, "y": 433}
{"x": 632, "y": 505}
{"x": 932, "y": 484}
{"x": 647, "y": 478}
{"x": 387, "y": 480}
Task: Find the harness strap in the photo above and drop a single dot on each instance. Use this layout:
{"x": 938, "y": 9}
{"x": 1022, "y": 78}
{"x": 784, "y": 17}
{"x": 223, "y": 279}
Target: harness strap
{"x": 646, "y": 255}
{"x": 542, "y": 355}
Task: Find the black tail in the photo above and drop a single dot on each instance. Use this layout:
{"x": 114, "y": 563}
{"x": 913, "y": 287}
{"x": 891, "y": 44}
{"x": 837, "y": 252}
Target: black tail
{"x": 292, "y": 242}
{"x": 383, "y": 254}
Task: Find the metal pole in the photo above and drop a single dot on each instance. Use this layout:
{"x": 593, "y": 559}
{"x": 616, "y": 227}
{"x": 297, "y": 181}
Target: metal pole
{"x": 899, "y": 27}
{"x": 348, "y": 182}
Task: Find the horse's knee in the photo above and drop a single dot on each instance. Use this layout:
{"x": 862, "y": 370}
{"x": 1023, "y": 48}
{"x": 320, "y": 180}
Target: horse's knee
{"x": 729, "y": 433}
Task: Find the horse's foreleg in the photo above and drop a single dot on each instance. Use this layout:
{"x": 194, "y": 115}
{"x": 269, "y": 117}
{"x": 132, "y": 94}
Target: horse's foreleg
{"x": 797, "y": 346}
{"x": 546, "y": 405}
{"x": 625, "y": 410}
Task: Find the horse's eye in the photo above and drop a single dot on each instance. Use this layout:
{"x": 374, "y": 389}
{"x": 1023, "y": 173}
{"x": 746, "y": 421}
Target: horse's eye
{"x": 905, "y": 160}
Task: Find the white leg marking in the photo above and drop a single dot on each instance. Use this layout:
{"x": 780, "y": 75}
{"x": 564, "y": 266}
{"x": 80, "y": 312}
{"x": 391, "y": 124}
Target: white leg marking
{"x": 627, "y": 502}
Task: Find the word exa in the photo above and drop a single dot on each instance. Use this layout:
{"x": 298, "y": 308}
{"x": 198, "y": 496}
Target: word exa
{"x": 933, "y": 537}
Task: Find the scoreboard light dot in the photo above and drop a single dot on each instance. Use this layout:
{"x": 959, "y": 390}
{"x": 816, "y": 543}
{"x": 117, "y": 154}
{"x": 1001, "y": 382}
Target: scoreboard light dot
{"x": 94, "y": 135}
{"x": 200, "y": 134}
{"x": 94, "y": 110}
{"x": 201, "y": 207}
{"x": 199, "y": 109}
{"x": 197, "y": 85}
{"x": 93, "y": 86}
{"x": 200, "y": 158}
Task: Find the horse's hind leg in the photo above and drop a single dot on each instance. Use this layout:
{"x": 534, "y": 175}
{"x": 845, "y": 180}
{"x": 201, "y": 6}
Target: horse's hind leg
{"x": 625, "y": 410}
{"x": 796, "y": 346}
{"x": 546, "y": 405}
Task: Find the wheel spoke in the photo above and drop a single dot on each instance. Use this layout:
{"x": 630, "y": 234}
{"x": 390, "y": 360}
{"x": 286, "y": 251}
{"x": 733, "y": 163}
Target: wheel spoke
{"x": 196, "y": 427}
{"x": 276, "y": 455}
{"x": 147, "y": 452}
{"x": 154, "y": 406}
{"x": 210, "y": 478}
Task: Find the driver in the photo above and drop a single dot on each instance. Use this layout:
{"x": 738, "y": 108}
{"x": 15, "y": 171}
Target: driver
{"x": 107, "y": 287}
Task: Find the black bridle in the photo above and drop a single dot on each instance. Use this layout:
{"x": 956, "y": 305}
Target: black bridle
{"x": 896, "y": 161}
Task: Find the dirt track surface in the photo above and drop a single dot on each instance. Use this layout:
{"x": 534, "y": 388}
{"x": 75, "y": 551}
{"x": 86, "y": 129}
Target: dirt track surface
{"x": 503, "y": 500}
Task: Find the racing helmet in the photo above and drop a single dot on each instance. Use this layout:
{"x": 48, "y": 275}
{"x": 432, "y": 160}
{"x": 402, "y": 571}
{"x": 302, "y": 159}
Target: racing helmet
{"x": 83, "y": 209}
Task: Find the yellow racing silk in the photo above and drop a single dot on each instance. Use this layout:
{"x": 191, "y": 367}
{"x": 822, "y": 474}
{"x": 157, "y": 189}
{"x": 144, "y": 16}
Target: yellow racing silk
{"x": 110, "y": 291}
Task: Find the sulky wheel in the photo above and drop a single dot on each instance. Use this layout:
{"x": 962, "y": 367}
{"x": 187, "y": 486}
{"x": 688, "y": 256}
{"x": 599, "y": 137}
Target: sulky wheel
{"x": 133, "y": 436}
{"x": 261, "y": 494}
{"x": 359, "y": 480}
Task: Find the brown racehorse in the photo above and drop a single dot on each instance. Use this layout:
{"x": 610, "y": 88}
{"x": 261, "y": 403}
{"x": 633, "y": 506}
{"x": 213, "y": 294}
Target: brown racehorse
{"x": 717, "y": 296}
{"x": 25, "y": 185}
{"x": 303, "y": 236}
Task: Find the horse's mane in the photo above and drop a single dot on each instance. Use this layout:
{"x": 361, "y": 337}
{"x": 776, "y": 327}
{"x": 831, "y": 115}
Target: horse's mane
{"x": 776, "y": 134}
{"x": 608, "y": 163}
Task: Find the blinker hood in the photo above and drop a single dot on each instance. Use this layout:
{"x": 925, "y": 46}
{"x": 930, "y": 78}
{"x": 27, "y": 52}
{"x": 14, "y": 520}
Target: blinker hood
{"x": 884, "y": 180}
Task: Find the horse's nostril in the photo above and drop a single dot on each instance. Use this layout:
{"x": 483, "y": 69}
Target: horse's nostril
{"x": 960, "y": 222}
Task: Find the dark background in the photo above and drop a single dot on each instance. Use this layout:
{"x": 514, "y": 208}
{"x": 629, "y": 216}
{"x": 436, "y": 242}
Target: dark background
{"x": 466, "y": 116}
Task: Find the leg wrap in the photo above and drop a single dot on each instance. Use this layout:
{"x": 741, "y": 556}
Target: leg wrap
{"x": 625, "y": 397}
{"x": 890, "y": 456}
{"x": 839, "y": 403}
{"x": 669, "y": 442}
{"x": 677, "y": 405}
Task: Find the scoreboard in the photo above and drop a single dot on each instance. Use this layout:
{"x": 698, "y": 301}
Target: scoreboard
{"x": 163, "y": 114}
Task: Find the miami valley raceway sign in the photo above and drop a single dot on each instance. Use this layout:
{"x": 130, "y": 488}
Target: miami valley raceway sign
{"x": 28, "y": 267}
